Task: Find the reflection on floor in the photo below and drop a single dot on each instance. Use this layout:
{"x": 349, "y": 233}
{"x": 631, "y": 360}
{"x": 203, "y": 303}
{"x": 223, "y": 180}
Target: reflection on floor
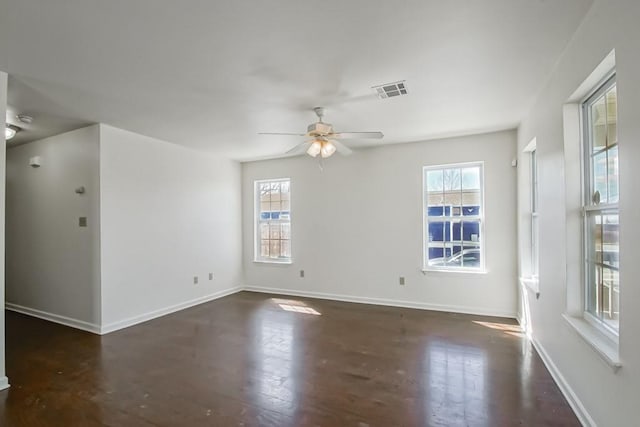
{"x": 262, "y": 360}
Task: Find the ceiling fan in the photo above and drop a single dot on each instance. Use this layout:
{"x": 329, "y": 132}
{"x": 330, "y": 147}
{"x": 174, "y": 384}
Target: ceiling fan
{"x": 323, "y": 139}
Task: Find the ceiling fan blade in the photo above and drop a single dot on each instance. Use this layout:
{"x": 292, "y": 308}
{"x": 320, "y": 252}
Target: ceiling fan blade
{"x": 358, "y": 135}
{"x": 342, "y": 149}
{"x": 299, "y": 149}
{"x": 282, "y": 133}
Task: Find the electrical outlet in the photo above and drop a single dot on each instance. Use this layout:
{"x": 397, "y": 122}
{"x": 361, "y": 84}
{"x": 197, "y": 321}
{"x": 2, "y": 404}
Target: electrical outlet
{"x": 195, "y": 280}
{"x": 401, "y": 281}
{"x": 210, "y": 276}
{"x": 82, "y": 221}
{"x": 301, "y": 273}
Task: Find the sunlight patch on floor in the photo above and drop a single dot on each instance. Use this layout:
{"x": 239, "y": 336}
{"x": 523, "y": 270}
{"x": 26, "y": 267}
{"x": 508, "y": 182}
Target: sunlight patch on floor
{"x": 295, "y": 306}
{"x": 509, "y": 329}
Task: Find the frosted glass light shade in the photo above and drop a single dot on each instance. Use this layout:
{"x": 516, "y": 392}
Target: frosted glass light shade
{"x": 327, "y": 149}
{"x": 9, "y": 133}
{"x": 315, "y": 148}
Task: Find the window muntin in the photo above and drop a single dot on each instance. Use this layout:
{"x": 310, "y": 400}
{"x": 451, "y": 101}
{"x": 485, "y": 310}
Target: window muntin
{"x": 453, "y": 217}
{"x": 601, "y": 212}
{"x": 273, "y": 220}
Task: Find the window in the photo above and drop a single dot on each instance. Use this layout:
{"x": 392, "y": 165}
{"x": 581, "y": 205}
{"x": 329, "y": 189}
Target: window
{"x": 534, "y": 214}
{"x": 453, "y": 217}
{"x": 600, "y": 206}
{"x": 273, "y": 220}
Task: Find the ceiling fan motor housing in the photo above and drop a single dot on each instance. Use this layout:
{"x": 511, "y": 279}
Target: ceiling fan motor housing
{"x": 319, "y": 129}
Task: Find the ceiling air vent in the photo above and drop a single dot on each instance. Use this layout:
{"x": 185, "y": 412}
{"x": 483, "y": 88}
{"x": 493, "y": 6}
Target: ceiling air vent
{"x": 390, "y": 90}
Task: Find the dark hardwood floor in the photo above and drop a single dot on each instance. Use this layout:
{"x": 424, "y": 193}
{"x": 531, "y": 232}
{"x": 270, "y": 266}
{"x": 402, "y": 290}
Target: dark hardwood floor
{"x": 264, "y": 360}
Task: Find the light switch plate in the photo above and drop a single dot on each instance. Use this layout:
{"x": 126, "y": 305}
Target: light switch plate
{"x": 82, "y": 221}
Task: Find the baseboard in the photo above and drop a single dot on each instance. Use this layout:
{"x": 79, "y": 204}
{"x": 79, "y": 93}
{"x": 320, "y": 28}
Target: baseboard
{"x": 563, "y": 385}
{"x": 4, "y": 383}
{"x": 55, "y": 318}
{"x": 121, "y": 324}
{"x": 380, "y": 301}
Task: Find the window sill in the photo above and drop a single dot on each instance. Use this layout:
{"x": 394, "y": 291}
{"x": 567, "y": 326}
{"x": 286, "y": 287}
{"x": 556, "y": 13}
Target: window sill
{"x": 532, "y": 284}
{"x": 452, "y": 270}
{"x": 266, "y": 261}
{"x": 603, "y": 346}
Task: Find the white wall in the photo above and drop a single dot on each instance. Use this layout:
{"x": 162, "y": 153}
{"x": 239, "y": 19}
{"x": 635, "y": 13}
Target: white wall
{"x": 168, "y": 214}
{"x": 610, "y": 399}
{"x": 53, "y": 265}
{"x": 4, "y": 383}
{"x": 357, "y": 226}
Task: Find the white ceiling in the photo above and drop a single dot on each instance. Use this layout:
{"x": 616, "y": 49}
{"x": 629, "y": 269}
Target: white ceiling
{"x": 211, "y": 74}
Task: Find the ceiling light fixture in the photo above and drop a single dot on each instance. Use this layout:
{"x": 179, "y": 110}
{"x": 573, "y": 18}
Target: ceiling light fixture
{"x": 10, "y": 131}
{"x": 327, "y": 149}
{"x": 315, "y": 148}
{"x": 323, "y": 140}
{"x": 321, "y": 146}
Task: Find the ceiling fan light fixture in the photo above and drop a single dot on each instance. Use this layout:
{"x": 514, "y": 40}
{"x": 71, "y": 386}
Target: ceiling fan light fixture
{"x": 10, "y": 131}
{"x": 315, "y": 148}
{"x": 327, "y": 149}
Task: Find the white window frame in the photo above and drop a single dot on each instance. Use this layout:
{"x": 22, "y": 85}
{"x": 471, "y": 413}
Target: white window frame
{"x": 257, "y": 221}
{"x": 588, "y": 207}
{"x": 480, "y": 217}
{"x": 605, "y": 345}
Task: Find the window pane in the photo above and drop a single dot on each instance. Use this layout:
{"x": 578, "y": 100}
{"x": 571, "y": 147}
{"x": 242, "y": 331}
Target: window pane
{"x": 274, "y": 231}
{"x": 612, "y": 116}
{"x": 610, "y": 243}
{"x": 594, "y": 273}
{"x": 456, "y": 237}
{"x": 285, "y": 246}
{"x": 451, "y": 179}
{"x": 274, "y": 248}
{"x": 471, "y": 233}
{"x": 613, "y": 177}
{"x": 286, "y": 231}
{"x": 599, "y": 124}
{"x": 610, "y": 297}
{"x": 435, "y": 181}
{"x": 594, "y": 238}
{"x": 264, "y": 248}
{"x": 599, "y": 175}
{"x": 471, "y": 202}
{"x": 264, "y": 231}
{"x": 452, "y": 198}
{"x": 471, "y": 178}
